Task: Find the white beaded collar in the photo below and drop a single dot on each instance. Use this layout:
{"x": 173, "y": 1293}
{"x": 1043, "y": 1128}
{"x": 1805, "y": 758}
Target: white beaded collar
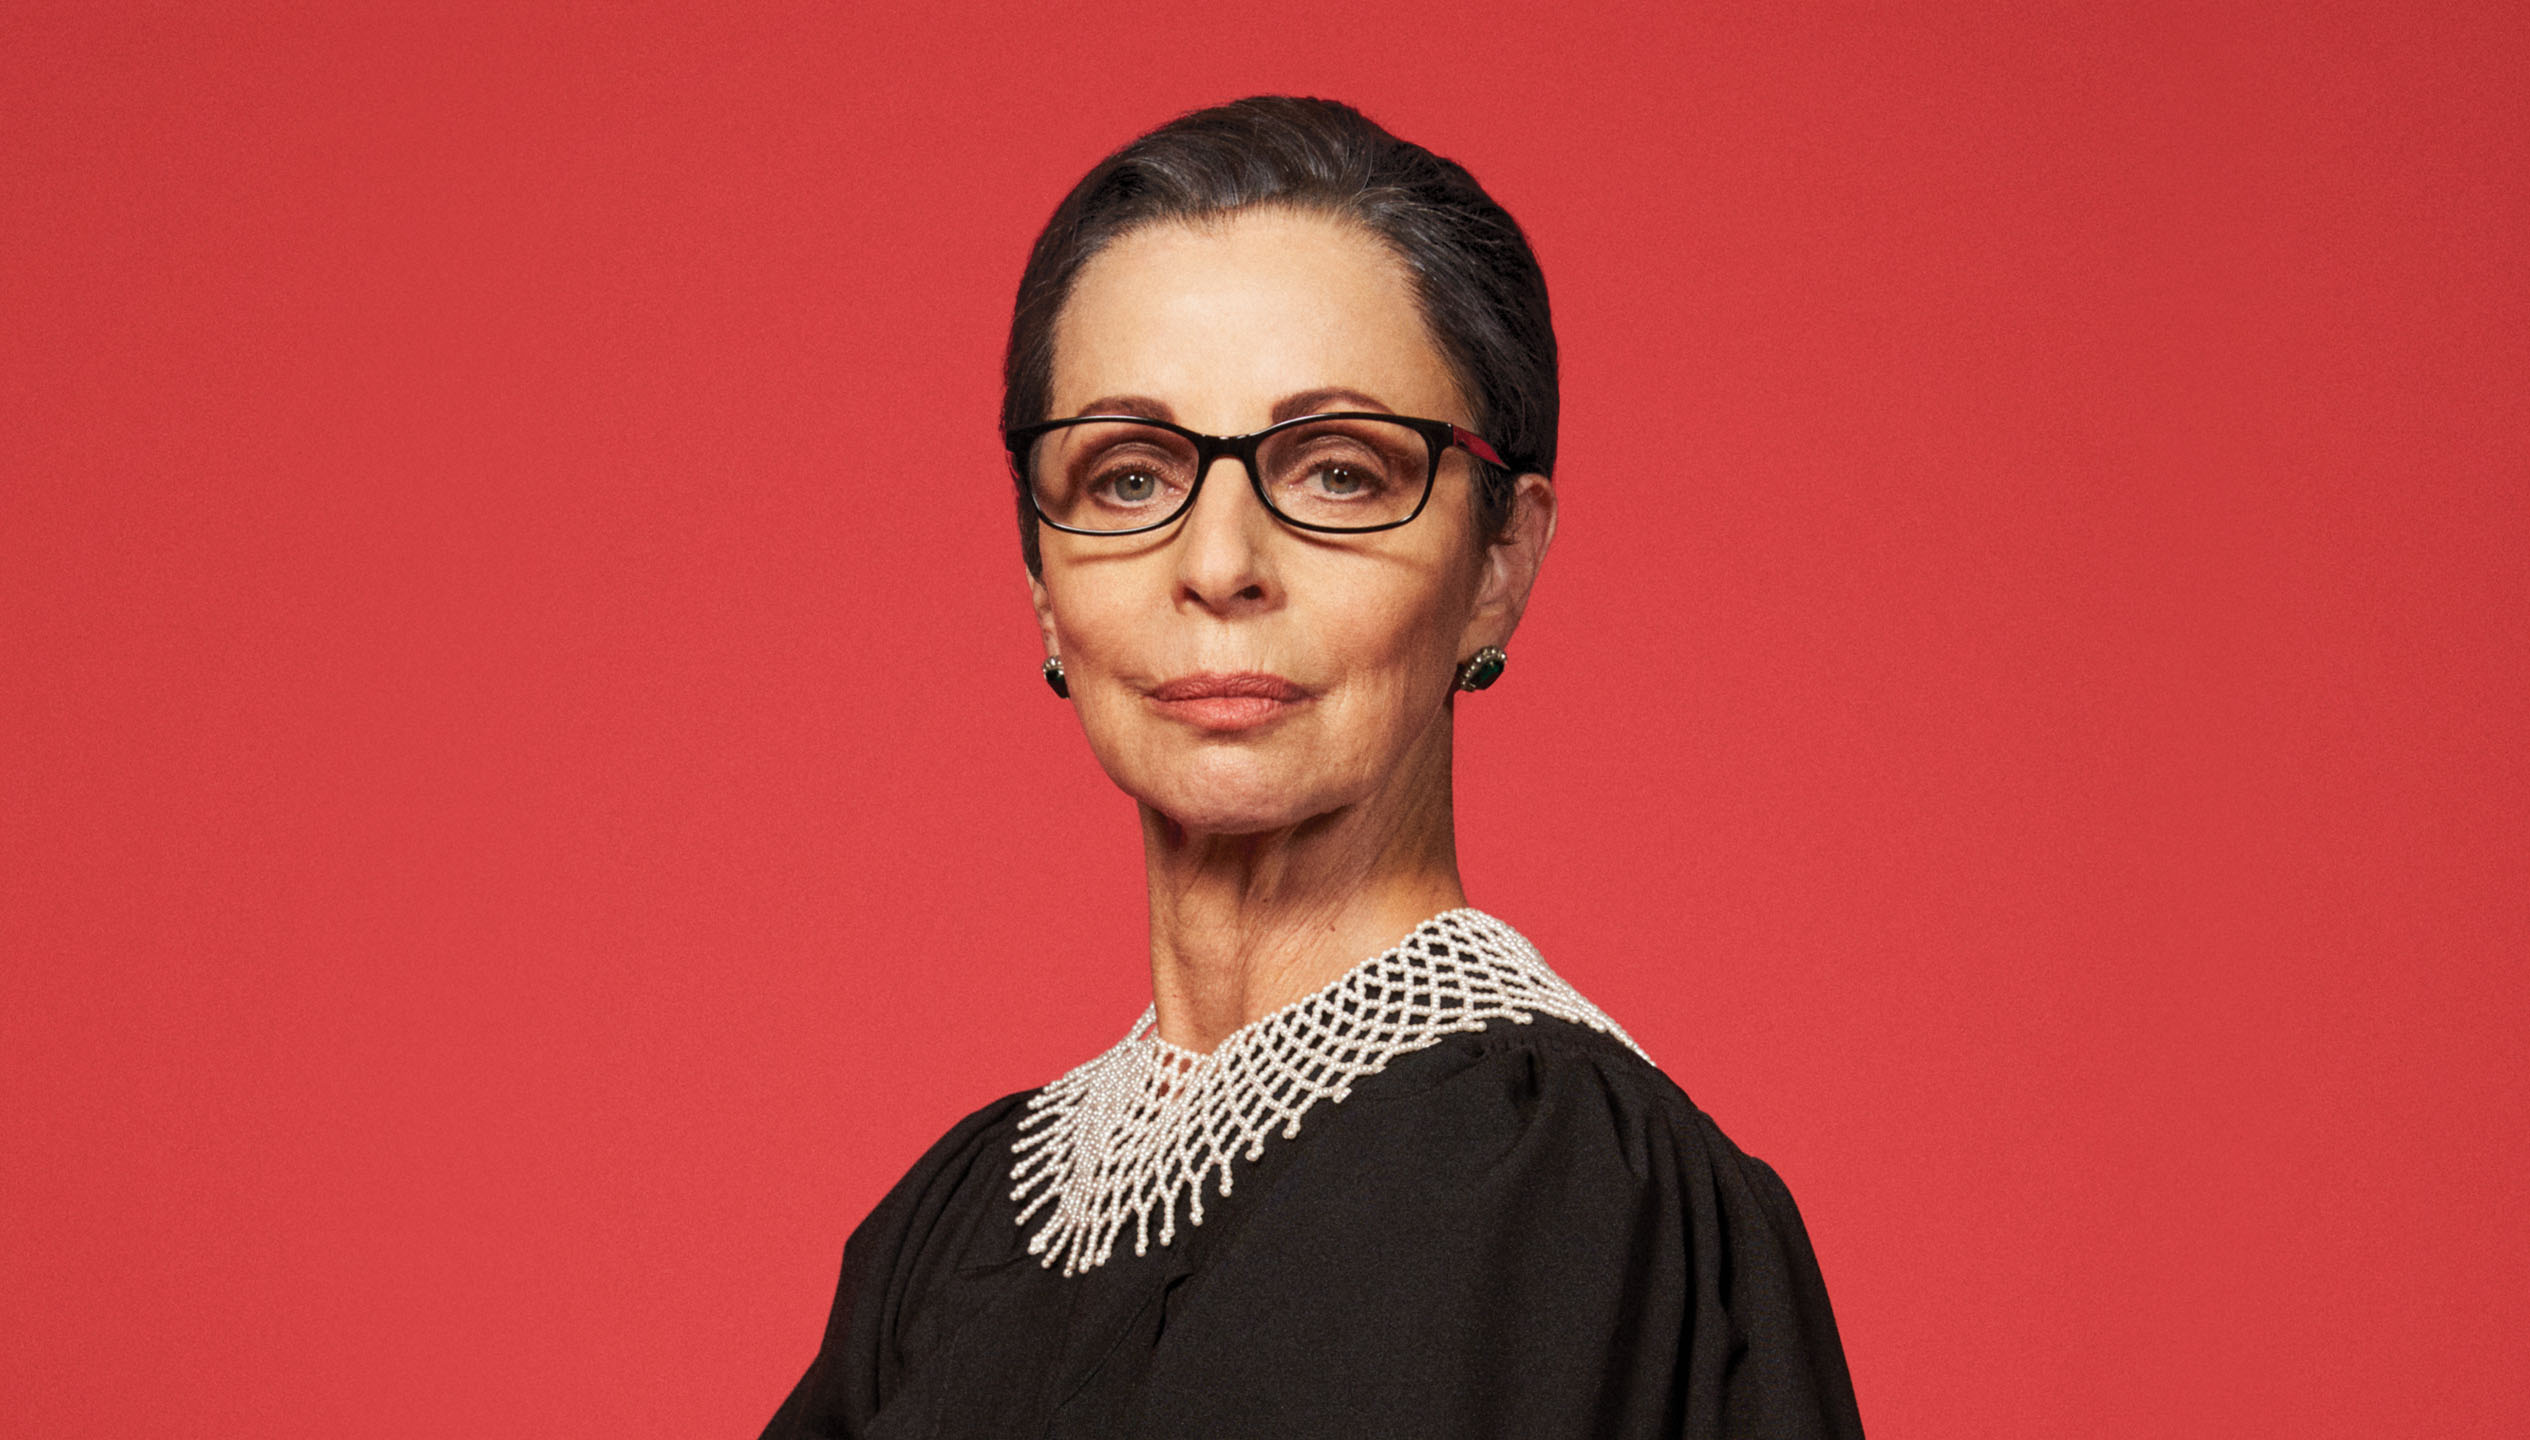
{"x": 1134, "y": 1129}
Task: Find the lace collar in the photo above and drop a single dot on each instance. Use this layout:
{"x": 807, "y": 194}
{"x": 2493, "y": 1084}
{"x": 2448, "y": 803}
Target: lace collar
{"x": 1145, "y": 1124}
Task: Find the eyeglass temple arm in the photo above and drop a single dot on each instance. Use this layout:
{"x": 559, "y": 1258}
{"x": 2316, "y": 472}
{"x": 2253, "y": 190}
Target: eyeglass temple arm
{"x": 1474, "y": 444}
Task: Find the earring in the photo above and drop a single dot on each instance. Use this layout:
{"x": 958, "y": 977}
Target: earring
{"x": 1054, "y": 677}
{"x": 1482, "y": 668}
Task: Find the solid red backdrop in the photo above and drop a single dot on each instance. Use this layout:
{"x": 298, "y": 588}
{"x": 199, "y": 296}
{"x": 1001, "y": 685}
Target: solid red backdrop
{"x": 507, "y": 844}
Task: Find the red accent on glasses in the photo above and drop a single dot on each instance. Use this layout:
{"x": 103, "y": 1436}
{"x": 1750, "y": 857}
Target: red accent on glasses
{"x": 1474, "y": 444}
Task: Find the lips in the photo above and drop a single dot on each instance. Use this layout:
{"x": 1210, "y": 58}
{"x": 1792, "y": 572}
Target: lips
{"x": 1228, "y": 702}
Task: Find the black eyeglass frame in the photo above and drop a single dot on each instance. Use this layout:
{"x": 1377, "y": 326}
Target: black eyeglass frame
{"x": 1440, "y": 435}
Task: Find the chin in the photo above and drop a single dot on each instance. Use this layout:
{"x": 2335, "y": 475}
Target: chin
{"x": 1213, "y": 798}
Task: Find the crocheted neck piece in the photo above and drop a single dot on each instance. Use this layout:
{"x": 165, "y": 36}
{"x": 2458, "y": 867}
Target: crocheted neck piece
{"x": 1142, "y": 1126}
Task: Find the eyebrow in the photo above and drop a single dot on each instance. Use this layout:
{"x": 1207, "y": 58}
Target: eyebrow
{"x": 1139, "y": 405}
{"x": 1307, "y": 402}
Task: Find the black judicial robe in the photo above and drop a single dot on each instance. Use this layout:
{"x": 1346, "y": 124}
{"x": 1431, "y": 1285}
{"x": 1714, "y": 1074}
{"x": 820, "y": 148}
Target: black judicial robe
{"x": 1521, "y": 1232}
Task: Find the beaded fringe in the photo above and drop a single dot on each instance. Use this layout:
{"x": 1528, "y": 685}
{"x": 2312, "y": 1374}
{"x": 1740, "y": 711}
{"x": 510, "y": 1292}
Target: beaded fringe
{"x": 1143, "y": 1125}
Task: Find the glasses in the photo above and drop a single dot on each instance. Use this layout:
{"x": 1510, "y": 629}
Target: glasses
{"x": 1345, "y": 473}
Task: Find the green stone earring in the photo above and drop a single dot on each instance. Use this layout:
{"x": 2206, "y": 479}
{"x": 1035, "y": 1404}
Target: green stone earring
{"x": 1482, "y": 668}
{"x": 1054, "y": 677}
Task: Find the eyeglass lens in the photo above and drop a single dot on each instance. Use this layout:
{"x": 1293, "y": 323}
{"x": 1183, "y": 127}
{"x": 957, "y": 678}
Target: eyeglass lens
{"x": 1344, "y": 474}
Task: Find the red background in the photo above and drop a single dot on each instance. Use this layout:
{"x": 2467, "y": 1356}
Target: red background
{"x": 507, "y": 846}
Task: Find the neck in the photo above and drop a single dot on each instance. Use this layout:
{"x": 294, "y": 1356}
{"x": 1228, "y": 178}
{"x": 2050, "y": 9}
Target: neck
{"x": 1242, "y": 925}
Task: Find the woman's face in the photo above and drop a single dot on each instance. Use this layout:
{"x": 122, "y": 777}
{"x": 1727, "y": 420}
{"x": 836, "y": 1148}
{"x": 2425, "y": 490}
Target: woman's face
{"x": 1233, "y": 673}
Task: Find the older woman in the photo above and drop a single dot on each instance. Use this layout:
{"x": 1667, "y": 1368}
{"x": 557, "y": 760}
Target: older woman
{"x": 1281, "y": 408}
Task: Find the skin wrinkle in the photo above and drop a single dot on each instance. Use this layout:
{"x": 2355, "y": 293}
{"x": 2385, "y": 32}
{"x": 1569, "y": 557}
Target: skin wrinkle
{"x": 1278, "y": 857}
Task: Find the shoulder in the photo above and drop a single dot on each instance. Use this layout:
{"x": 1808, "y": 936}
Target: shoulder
{"x": 1569, "y": 1115}
{"x": 972, "y": 1135}
{"x": 894, "y": 1258}
{"x": 1544, "y": 1071}
{"x": 972, "y": 1148}
{"x": 931, "y": 1215}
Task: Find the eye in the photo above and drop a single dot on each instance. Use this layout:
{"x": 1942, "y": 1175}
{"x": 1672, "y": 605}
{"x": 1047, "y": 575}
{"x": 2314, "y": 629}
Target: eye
{"x": 1132, "y": 477}
{"x": 1342, "y": 481}
{"x": 1130, "y": 487}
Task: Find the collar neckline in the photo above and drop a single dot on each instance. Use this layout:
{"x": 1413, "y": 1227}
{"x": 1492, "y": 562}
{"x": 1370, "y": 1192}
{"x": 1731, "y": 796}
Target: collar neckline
{"x": 1146, "y": 1124}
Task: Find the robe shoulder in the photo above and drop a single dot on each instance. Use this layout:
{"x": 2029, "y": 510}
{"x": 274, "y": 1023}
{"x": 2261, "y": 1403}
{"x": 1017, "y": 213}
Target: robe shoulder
{"x": 895, "y": 1261}
{"x": 1530, "y": 1231}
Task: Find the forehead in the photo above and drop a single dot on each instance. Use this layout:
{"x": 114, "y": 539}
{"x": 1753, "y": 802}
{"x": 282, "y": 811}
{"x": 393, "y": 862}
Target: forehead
{"x": 1219, "y": 319}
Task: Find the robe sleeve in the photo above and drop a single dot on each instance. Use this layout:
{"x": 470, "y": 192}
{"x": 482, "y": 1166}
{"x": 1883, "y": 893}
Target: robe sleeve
{"x": 1537, "y": 1236}
{"x": 877, "y": 1328}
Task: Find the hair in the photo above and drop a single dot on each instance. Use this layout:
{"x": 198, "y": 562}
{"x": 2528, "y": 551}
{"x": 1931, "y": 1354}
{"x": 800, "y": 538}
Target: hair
{"x": 1475, "y": 279}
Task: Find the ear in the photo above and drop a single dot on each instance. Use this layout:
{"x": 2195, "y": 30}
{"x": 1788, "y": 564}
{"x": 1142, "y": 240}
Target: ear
{"x": 1511, "y": 565}
{"x": 1045, "y": 616}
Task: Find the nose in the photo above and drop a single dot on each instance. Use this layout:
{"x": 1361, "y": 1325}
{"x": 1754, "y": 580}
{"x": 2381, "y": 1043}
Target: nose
{"x": 1224, "y": 545}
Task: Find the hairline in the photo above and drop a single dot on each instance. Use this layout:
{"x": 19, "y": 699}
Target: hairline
{"x": 1332, "y": 211}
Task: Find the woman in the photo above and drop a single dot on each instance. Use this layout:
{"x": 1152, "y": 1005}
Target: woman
{"x": 1281, "y": 407}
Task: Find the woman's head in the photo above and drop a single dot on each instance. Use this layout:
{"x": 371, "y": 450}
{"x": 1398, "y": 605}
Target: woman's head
{"x": 1236, "y": 671}
{"x": 1475, "y": 281}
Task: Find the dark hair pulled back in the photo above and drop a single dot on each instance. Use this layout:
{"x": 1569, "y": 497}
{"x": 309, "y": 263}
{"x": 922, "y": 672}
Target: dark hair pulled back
{"x": 1476, "y": 281}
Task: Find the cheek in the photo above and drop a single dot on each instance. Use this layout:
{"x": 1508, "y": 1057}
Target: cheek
{"x": 1390, "y": 649}
{"x": 1115, "y": 627}
{"x": 1099, "y": 610}
{"x": 1387, "y": 640}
